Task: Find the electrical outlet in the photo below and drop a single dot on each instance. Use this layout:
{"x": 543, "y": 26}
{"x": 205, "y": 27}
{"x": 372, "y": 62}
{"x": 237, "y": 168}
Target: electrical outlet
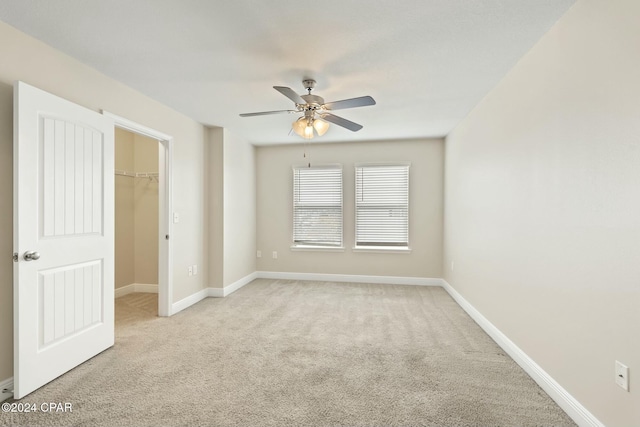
{"x": 190, "y": 271}
{"x": 275, "y": 255}
{"x": 6, "y": 392}
{"x": 622, "y": 375}
{"x": 451, "y": 265}
{"x": 176, "y": 217}
{"x": 195, "y": 269}
{"x": 259, "y": 254}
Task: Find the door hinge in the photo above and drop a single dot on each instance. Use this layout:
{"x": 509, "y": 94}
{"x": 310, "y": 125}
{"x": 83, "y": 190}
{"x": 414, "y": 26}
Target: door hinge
{"x": 15, "y": 257}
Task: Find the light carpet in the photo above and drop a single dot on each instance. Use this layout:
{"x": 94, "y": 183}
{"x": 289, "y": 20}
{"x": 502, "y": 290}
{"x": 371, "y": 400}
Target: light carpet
{"x": 288, "y": 353}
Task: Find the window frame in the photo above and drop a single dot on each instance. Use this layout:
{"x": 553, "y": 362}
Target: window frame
{"x": 382, "y": 247}
{"x": 319, "y": 246}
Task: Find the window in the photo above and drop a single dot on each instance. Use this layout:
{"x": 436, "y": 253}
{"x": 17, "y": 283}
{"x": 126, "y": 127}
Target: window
{"x": 382, "y": 206}
{"x": 317, "y": 206}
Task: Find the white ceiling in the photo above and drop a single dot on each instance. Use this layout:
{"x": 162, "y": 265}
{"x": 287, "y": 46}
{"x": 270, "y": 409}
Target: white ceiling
{"x": 427, "y": 63}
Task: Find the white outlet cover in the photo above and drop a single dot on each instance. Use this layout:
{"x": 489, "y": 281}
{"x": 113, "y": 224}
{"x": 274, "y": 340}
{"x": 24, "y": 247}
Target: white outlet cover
{"x": 195, "y": 269}
{"x": 622, "y": 375}
{"x": 275, "y": 255}
{"x": 259, "y": 254}
{"x": 176, "y": 217}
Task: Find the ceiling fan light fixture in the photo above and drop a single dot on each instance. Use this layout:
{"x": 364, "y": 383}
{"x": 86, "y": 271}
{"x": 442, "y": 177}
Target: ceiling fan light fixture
{"x": 300, "y": 127}
{"x": 320, "y": 126}
{"x": 305, "y": 126}
{"x": 308, "y": 132}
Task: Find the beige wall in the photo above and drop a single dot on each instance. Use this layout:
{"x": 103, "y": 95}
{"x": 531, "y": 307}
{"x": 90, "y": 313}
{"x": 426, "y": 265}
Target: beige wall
{"x": 215, "y": 193}
{"x": 274, "y": 208}
{"x": 543, "y": 208}
{"x": 25, "y": 58}
{"x": 136, "y": 211}
{"x": 239, "y": 208}
{"x": 145, "y": 211}
{"x": 232, "y": 208}
{"x": 125, "y": 273}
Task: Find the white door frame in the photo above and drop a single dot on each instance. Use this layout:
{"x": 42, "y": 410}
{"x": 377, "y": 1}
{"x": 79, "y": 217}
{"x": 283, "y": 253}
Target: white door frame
{"x": 165, "y": 197}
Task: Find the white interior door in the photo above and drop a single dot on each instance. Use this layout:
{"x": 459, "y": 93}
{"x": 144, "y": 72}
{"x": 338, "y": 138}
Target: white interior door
{"x": 63, "y": 236}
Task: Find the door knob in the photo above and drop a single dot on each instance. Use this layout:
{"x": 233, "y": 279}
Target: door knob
{"x": 31, "y": 256}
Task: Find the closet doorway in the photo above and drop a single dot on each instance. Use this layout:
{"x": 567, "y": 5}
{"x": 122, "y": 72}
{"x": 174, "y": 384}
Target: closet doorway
{"x": 143, "y": 206}
{"x": 136, "y": 218}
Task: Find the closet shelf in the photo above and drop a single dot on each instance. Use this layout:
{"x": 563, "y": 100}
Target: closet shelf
{"x": 149, "y": 175}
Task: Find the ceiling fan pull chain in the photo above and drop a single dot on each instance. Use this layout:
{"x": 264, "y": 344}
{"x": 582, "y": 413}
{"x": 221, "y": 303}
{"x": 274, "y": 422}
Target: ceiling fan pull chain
{"x": 304, "y": 155}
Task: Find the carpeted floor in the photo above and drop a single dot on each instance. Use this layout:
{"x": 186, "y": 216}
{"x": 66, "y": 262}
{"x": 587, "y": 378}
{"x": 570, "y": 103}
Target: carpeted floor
{"x": 285, "y": 353}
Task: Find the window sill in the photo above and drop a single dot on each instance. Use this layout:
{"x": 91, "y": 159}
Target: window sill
{"x": 382, "y": 249}
{"x": 303, "y": 248}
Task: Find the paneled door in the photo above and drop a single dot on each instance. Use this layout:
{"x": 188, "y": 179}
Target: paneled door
{"x": 63, "y": 236}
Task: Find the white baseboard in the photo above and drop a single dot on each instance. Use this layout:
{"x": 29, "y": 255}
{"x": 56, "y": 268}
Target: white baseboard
{"x": 228, "y": 290}
{"x": 215, "y": 292}
{"x": 212, "y": 293}
{"x": 8, "y": 386}
{"x": 135, "y": 287}
{"x": 566, "y": 401}
{"x": 352, "y": 278}
{"x": 187, "y": 302}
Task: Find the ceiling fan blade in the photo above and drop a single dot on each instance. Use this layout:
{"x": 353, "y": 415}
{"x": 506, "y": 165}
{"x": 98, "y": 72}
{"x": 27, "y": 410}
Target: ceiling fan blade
{"x": 362, "y": 101}
{"x": 266, "y": 113}
{"x": 289, "y": 93}
{"x": 347, "y": 124}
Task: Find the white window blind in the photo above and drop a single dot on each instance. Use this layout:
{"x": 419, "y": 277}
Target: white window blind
{"x": 382, "y": 205}
{"x": 317, "y": 206}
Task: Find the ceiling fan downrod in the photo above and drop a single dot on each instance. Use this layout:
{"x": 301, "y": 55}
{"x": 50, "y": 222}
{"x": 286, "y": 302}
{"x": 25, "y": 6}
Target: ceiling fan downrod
{"x": 309, "y": 84}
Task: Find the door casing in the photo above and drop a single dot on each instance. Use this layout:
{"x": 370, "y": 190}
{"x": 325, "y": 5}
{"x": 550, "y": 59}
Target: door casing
{"x": 165, "y": 198}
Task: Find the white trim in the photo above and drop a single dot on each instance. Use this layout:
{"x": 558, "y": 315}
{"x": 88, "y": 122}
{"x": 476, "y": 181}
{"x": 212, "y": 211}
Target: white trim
{"x": 149, "y": 288}
{"x": 212, "y": 293}
{"x": 187, "y": 302}
{"x": 321, "y": 277}
{"x": 227, "y": 290}
{"x": 566, "y": 401}
{"x": 361, "y": 164}
{"x": 134, "y": 127}
{"x": 124, "y": 290}
{"x": 8, "y": 385}
{"x": 317, "y": 248}
{"x": 136, "y": 287}
{"x": 165, "y": 207}
{"x": 215, "y": 292}
{"x": 383, "y": 249}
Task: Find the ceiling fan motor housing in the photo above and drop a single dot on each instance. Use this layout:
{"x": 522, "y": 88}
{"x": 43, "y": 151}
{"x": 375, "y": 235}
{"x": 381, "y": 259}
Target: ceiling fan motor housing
{"x": 314, "y": 102}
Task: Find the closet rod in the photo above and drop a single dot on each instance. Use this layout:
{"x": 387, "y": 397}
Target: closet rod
{"x": 137, "y": 174}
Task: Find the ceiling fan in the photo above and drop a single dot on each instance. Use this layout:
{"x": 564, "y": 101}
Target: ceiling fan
{"x": 316, "y": 112}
